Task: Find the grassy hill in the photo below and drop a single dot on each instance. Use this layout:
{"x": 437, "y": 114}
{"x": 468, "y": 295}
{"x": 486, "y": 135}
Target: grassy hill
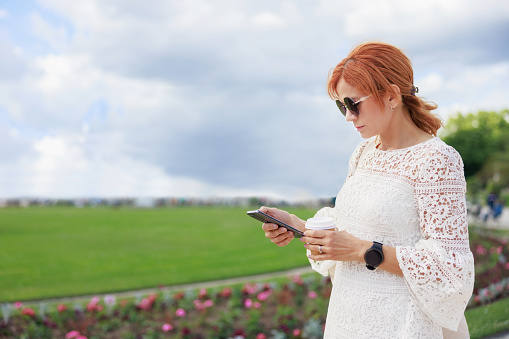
{"x": 56, "y": 252}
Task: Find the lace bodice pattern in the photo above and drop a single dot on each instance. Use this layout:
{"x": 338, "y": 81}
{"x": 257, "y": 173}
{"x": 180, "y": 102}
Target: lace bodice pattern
{"x": 412, "y": 199}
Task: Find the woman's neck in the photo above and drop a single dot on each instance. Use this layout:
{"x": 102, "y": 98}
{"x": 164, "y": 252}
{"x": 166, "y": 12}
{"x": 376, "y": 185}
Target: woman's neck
{"x": 402, "y": 133}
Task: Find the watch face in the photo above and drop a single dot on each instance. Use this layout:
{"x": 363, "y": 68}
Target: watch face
{"x": 373, "y": 257}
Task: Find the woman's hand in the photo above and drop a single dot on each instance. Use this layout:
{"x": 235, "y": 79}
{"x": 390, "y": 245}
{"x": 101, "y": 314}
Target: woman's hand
{"x": 280, "y": 235}
{"x": 335, "y": 245}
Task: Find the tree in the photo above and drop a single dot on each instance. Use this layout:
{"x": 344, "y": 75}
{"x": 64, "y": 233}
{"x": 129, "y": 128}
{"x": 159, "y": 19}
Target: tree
{"x": 482, "y": 139}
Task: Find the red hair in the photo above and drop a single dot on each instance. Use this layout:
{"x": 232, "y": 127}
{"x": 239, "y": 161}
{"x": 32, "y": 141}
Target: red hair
{"x": 372, "y": 68}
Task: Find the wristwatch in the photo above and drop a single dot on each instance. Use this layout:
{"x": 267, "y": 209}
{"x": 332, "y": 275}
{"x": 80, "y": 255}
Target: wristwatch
{"x": 374, "y": 256}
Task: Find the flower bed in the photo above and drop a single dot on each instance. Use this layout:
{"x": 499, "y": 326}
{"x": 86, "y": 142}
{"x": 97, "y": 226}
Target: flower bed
{"x": 491, "y": 256}
{"x": 292, "y": 309}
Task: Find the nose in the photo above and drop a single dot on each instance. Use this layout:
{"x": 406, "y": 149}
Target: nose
{"x": 350, "y": 116}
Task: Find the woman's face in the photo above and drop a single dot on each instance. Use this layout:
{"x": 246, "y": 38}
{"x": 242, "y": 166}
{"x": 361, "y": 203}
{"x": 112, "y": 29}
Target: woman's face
{"x": 371, "y": 120}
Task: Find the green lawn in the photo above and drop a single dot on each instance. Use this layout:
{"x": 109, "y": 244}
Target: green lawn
{"x": 489, "y": 319}
{"x": 57, "y": 252}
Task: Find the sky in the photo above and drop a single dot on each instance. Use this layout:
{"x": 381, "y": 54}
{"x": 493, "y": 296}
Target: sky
{"x": 223, "y": 98}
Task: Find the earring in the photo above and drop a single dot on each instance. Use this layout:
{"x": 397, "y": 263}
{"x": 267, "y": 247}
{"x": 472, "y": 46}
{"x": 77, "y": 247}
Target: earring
{"x": 392, "y": 108}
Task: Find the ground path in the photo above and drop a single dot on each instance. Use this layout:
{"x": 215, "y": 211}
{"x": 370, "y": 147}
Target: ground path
{"x": 178, "y": 288}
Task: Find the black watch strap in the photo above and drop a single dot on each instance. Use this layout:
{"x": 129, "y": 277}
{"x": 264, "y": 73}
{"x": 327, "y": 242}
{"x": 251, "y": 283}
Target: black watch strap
{"x": 374, "y": 256}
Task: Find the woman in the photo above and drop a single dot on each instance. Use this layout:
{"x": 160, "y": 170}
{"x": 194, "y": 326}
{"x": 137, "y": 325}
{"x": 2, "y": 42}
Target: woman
{"x": 400, "y": 257}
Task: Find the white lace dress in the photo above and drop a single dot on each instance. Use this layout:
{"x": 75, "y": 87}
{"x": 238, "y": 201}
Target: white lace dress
{"x": 412, "y": 199}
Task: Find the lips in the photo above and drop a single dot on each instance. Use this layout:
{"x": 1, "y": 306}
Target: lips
{"x": 358, "y": 128}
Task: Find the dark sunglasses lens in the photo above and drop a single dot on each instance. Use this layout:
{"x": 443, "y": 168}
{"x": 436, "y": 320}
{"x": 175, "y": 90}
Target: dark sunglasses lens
{"x": 352, "y": 107}
{"x": 341, "y": 107}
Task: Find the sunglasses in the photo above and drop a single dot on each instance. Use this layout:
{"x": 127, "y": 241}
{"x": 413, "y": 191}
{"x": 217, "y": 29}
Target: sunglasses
{"x": 350, "y": 105}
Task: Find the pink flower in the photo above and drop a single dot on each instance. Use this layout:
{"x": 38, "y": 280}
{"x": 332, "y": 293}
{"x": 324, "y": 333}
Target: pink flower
{"x": 61, "y": 308}
{"x": 499, "y": 249}
{"x": 507, "y": 265}
{"x": 257, "y": 304}
{"x": 298, "y": 279}
{"x": 312, "y": 295}
{"x": 262, "y": 296}
{"x": 180, "y": 313}
{"x": 18, "y": 304}
{"x": 167, "y": 327}
{"x": 250, "y": 288}
{"x": 261, "y": 336}
{"x": 248, "y": 303}
{"x": 93, "y": 305}
{"x": 296, "y": 332}
{"x": 145, "y": 304}
{"x": 208, "y": 303}
{"x": 198, "y": 305}
{"x": 481, "y": 250}
{"x": 81, "y": 337}
{"x": 28, "y": 311}
{"x": 202, "y": 294}
{"x": 72, "y": 334}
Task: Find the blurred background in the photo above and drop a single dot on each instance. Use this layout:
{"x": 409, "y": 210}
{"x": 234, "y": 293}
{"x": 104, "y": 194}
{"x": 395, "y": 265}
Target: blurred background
{"x": 222, "y": 98}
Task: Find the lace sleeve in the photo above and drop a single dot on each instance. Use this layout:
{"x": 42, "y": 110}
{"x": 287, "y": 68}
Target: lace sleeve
{"x": 439, "y": 269}
{"x": 326, "y": 267}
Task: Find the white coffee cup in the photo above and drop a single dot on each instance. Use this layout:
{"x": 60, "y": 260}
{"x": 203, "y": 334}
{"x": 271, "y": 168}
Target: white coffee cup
{"x": 320, "y": 223}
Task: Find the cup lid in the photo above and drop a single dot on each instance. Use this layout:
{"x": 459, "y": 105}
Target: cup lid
{"x": 320, "y": 223}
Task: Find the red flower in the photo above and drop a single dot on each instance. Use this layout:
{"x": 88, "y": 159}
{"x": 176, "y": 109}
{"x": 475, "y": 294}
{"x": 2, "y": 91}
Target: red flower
{"x": 61, "y": 308}
{"x": 261, "y": 336}
{"x": 239, "y": 333}
{"x": 226, "y": 292}
{"x": 178, "y": 296}
{"x": 28, "y": 311}
{"x": 147, "y": 303}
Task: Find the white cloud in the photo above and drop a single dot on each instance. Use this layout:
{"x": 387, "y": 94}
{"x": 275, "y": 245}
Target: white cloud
{"x": 61, "y": 168}
{"x": 267, "y": 19}
{"x": 469, "y": 89}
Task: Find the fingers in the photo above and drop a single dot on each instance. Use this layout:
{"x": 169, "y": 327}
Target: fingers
{"x": 315, "y": 248}
{"x": 278, "y": 235}
{"x": 268, "y": 210}
{"x": 316, "y": 234}
{"x": 270, "y": 227}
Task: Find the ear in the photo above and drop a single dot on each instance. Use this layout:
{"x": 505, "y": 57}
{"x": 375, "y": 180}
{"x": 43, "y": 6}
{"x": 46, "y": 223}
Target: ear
{"x": 394, "y": 97}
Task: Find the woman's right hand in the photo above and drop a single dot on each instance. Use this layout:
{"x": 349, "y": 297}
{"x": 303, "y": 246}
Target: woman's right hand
{"x": 278, "y": 235}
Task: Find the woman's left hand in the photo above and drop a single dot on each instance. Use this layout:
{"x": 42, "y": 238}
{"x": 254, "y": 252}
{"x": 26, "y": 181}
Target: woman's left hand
{"x": 334, "y": 245}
